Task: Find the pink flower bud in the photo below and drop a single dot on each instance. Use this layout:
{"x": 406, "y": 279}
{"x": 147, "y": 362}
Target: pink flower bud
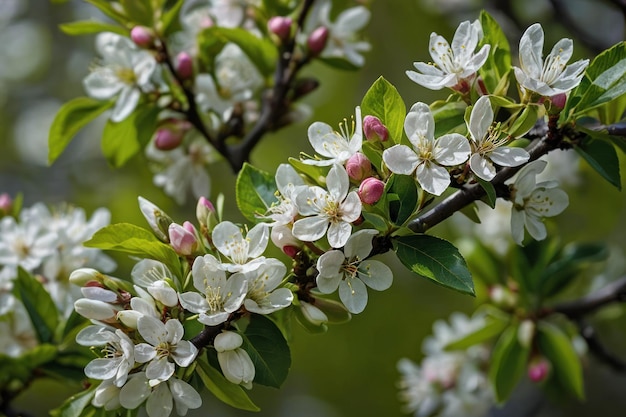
{"x": 370, "y": 190}
{"x": 183, "y": 239}
{"x": 374, "y": 129}
{"x": 184, "y": 65}
{"x": 538, "y": 369}
{"x": 317, "y": 40}
{"x": 6, "y": 203}
{"x": 280, "y": 26}
{"x": 142, "y": 36}
{"x": 283, "y": 238}
{"x": 166, "y": 139}
{"x": 206, "y": 214}
{"x": 559, "y": 100}
{"x": 358, "y": 167}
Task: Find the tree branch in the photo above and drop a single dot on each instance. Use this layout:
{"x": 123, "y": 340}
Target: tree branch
{"x": 613, "y": 292}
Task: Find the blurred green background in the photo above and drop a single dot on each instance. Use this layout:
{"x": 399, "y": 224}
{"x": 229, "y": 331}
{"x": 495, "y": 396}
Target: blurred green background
{"x": 351, "y": 370}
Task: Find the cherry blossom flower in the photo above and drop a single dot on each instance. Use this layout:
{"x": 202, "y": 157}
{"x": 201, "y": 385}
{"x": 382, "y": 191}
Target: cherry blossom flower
{"x": 234, "y": 361}
{"x": 487, "y": 147}
{"x": 429, "y": 155}
{"x": 125, "y": 72}
{"x": 289, "y": 183}
{"x": 350, "y": 271}
{"x": 154, "y": 276}
{"x": 218, "y": 296}
{"x": 338, "y": 147}
{"x": 245, "y": 253}
{"x": 263, "y": 296}
{"x": 164, "y": 341}
{"x": 533, "y": 201}
{"x": 552, "y": 76}
{"x": 329, "y": 211}
{"x": 454, "y": 66}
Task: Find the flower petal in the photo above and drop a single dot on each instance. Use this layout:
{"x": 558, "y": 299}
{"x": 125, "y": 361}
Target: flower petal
{"x": 338, "y": 233}
{"x": 508, "y": 156}
{"x": 482, "y": 167}
{"x": 419, "y": 122}
{"x": 481, "y": 119}
{"x": 433, "y": 178}
{"x": 451, "y": 149}
{"x": 400, "y": 159}
{"x": 310, "y": 229}
{"x": 152, "y": 330}
{"x": 375, "y": 275}
{"x": 353, "y": 295}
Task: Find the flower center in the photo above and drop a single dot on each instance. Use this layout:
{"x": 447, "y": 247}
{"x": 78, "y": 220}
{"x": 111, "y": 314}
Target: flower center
{"x": 213, "y": 297}
{"x": 126, "y": 75}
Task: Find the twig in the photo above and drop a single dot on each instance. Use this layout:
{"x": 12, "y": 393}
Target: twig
{"x": 613, "y": 292}
{"x": 598, "y": 349}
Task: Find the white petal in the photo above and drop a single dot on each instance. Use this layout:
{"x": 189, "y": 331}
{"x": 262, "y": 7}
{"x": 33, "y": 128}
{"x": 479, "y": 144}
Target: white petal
{"x": 258, "y": 237}
{"x": 227, "y": 340}
{"x": 451, "y": 149}
{"x": 103, "y": 368}
{"x": 353, "y": 295}
{"x": 310, "y": 200}
{"x": 194, "y": 302}
{"x": 517, "y": 225}
{"x": 400, "y": 159}
{"x": 531, "y": 51}
{"x": 375, "y": 275}
{"x": 206, "y": 272}
{"x": 351, "y": 207}
{"x": 481, "y": 118}
{"x": 162, "y": 292}
{"x": 433, "y": 178}
{"x": 94, "y": 335}
{"x": 482, "y": 167}
{"x": 144, "y": 352}
{"x": 213, "y": 319}
{"x": 535, "y": 227}
{"x": 184, "y": 393}
{"x": 322, "y": 136}
{"x": 310, "y": 229}
{"x": 360, "y": 244}
{"x": 152, "y": 330}
{"x": 160, "y": 403}
{"x": 175, "y": 331}
{"x": 135, "y": 391}
{"x": 102, "y": 84}
{"x": 125, "y": 104}
{"x": 507, "y": 156}
{"x": 224, "y": 235}
{"x": 160, "y": 369}
{"x": 431, "y": 81}
{"x": 419, "y": 122}
{"x": 337, "y": 182}
{"x": 338, "y": 234}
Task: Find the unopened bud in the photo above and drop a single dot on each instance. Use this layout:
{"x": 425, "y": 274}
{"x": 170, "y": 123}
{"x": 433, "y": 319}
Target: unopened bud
{"x": 317, "y": 40}
{"x": 183, "y": 239}
{"x": 502, "y": 296}
{"x": 283, "y": 239}
{"x": 538, "y": 369}
{"x": 358, "y": 167}
{"x": 526, "y": 333}
{"x": 157, "y": 219}
{"x": 205, "y": 213}
{"x": 6, "y": 204}
{"x": 304, "y": 86}
{"x": 85, "y": 276}
{"x": 94, "y": 309}
{"x": 184, "y": 65}
{"x": 166, "y": 139}
{"x": 280, "y": 26}
{"x": 227, "y": 341}
{"x": 371, "y": 190}
{"x": 558, "y": 101}
{"x": 142, "y": 36}
{"x": 313, "y": 314}
{"x": 374, "y": 129}
{"x": 99, "y": 293}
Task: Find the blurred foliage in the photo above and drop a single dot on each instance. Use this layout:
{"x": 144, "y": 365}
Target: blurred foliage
{"x": 351, "y": 370}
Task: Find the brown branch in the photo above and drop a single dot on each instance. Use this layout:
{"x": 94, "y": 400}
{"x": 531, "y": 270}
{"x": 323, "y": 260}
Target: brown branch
{"x": 612, "y": 293}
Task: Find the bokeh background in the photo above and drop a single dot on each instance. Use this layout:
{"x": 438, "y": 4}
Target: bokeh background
{"x": 350, "y": 370}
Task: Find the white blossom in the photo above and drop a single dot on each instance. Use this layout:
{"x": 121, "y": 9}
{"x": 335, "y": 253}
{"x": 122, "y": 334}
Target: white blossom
{"x": 16, "y": 328}
{"x": 125, "y": 72}
{"x": 429, "y": 155}
{"x": 289, "y": 183}
{"x": 533, "y": 201}
{"x": 350, "y": 271}
{"x": 487, "y": 147}
{"x": 154, "y": 276}
{"x": 164, "y": 342}
{"x": 263, "y": 296}
{"x": 244, "y": 253}
{"x": 452, "y": 65}
{"x": 139, "y": 306}
{"x": 343, "y": 40}
{"x": 219, "y": 296}
{"x": 24, "y": 244}
{"x": 552, "y": 76}
{"x": 234, "y": 361}
{"x": 118, "y": 350}
{"x": 329, "y": 211}
{"x": 338, "y": 147}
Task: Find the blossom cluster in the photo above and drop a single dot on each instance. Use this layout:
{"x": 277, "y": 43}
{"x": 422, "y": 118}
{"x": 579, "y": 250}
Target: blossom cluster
{"x": 47, "y": 242}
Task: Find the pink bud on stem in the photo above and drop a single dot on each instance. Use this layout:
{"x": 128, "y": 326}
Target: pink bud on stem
{"x": 317, "y": 40}
{"x": 142, "y": 36}
{"x": 358, "y": 167}
{"x": 374, "y": 129}
{"x": 280, "y": 26}
{"x": 371, "y": 190}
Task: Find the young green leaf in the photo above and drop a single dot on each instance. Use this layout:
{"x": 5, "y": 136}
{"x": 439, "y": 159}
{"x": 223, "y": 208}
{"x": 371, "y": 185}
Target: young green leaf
{"x": 88, "y": 27}
{"x": 490, "y": 192}
{"x": 72, "y": 117}
{"x": 492, "y": 328}
{"x": 107, "y": 8}
{"x": 508, "y": 363}
{"x": 169, "y": 19}
{"x": 402, "y": 208}
{"x": 558, "y": 348}
{"x": 268, "y": 350}
{"x": 436, "y": 259}
{"x": 122, "y": 140}
{"x": 134, "y": 240}
{"x": 231, "y": 394}
{"x": 38, "y": 303}
{"x": 255, "y": 192}
{"x": 383, "y": 101}
{"x": 498, "y": 63}
{"x": 139, "y": 11}
{"x": 449, "y": 117}
{"x": 603, "y": 158}
{"x": 75, "y": 405}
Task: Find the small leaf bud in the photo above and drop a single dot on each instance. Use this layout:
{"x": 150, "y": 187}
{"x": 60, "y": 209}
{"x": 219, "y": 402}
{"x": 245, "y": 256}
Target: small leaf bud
{"x": 142, "y": 36}
{"x": 280, "y": 26}
{"x": 359, "y": 167}
{"x": 371, "y": 190}
{"x": 317, "y": 40}
{"x": 374, "y": 129}
{"x": 184, "y": 65}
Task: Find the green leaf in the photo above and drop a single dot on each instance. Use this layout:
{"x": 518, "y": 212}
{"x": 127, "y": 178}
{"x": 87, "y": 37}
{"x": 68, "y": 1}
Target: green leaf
{"x": 492, "y": 328}
{"x": 169, "y": 19}
{"x": 231, "y": 394}
{"x": 376, "y": 221}
{"x": 436, "y": 259}
{"x": 449, "y": 117}
{"x": 498, "y": 62}
{"x": 41, "y": 309}
{"x": 261, "y": 51}
{"x": 316, "y": 174}
{"x": 139, "y": 11}
{"x": 603, "y": 158}
{"x": 566, "y": 366}
{"x": 509, "y": 360}
{"x": 122, "y": 140}
{"x": 134, "y": 240}
{"x": 255, "y": 192}
{"x": 604, "y": 80}
{"x": 524, "y": 121}
{"x": 72, "y": 117}
{"x": 383, "y": 101}
{"x": 268, "y": 350}
{"x": 106, "y": 8}
{"x": 402, "y": 208}
{"x": 88, "y": 27}
{"x": 490, "y": 192}
{"x": 76, "y": 404}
